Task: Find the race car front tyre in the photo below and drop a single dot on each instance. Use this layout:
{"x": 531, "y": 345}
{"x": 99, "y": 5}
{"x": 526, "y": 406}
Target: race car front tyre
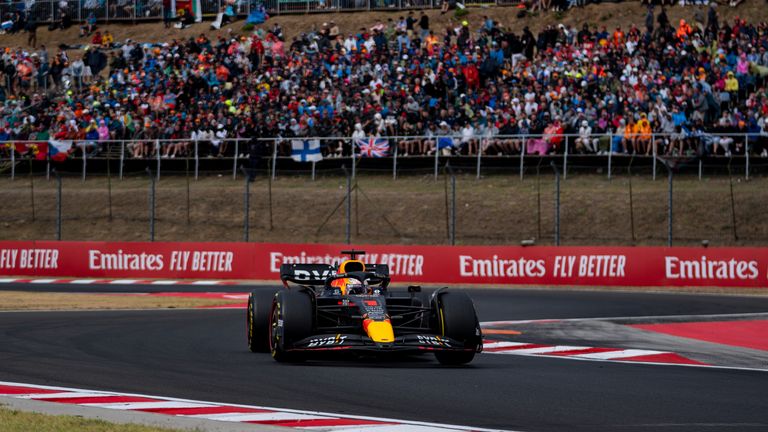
{"x": 257, "y": 320}
{"x": 457, "y": 320}
{"x": 291, "y": 320}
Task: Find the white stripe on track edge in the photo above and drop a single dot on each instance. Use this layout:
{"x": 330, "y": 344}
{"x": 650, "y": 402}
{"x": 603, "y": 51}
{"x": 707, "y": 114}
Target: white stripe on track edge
{"x": 265, "y": 416}
{"x": 63, "y": 395}
{"x": 83, "y": 281}
{"x": 613, "y": 355}
{"x": 148, "y": 405}
{"x": 7, "y": 280}
{"x": 404, "y": 423}
{"x": 43, "y": 281}
{"x": 546, "y": 350}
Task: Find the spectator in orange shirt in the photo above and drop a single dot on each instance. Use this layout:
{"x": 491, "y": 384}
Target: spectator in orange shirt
{"x": 643, "y": 135}
{"x": 684, "y": 30}
{"x": 618, "y": 37}
{"x": 629, "y": 135}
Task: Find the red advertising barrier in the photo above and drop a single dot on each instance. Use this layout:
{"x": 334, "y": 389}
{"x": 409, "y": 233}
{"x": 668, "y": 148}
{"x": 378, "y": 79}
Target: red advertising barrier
{"x": 538, "y": 265}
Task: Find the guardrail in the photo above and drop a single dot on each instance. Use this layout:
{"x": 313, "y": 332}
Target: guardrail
{"x": 518, "y": 152}
{"x": 49, "y": 11}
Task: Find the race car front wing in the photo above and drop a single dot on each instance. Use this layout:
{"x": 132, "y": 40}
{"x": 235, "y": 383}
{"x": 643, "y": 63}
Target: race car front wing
{"x": 356, "y": 342}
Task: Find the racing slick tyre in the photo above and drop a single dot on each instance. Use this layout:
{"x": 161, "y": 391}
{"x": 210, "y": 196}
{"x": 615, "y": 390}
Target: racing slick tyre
{"x": 290, "y": 320}
{"x": 457, "y": 320}
{"x": 257, "y": 320}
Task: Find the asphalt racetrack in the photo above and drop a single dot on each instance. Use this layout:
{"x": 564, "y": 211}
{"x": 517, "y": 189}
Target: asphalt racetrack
{"x": 202, "y": 354}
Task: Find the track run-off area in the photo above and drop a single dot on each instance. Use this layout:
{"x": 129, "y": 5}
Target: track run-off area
{"x": 649, "y": 361}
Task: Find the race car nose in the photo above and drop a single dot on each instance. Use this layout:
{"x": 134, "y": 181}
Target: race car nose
{"x": 379, "y": 331}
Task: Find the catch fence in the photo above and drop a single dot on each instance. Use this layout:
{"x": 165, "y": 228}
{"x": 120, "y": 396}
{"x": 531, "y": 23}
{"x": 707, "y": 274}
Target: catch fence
{"x": 105, "y": 193}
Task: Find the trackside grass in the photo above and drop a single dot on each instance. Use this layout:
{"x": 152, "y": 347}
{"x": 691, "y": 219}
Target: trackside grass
{"x": 22, "y": 300}
{"x": 18, "y": 421}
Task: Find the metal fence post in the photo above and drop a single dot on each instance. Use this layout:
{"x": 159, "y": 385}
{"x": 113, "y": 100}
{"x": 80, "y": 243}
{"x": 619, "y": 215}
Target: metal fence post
{"x": 479, "y": 156}
{"x": 247, "y": 203}
{"x": 565, "y": 162}
{"x": 151, "y": 205}
{"x": 58, "y": 205}
{"x": 610, "y": 152}
{"x": 354, "y": 161}
{"x": 313, "y": 170}
{"x": 522, "y": 156}
{"x": 122, "y": 158}
{"x": 85, "y": 159}
{"x": 13, "y": 164}
{"x": 701, "y": 166}
{"x": 557, "y": 203}
{"x": 234, "y": 162}
{"x": 654, "y": 161}
{"x": 157, "y": 152}
{"x": 274, "y": 159}
{"x": 394, "y": 164}
{"x": 197, "y": 160}
{"x": 437, "y": 153}
{"x": 746, "y": 155}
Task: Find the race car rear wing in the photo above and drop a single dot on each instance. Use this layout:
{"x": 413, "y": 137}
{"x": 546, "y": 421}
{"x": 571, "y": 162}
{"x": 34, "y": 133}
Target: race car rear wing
{"x": 316, "y": 274}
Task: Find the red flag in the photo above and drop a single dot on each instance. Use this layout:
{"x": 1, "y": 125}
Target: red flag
{"x": 21, "y": 148}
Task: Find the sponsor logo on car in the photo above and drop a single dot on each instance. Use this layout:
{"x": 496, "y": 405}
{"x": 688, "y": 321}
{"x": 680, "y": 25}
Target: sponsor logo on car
{"x": 433, "y": 340}
{"x": 326, "y": 341}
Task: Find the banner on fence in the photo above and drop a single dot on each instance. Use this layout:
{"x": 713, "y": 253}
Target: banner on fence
{"x": 493, "y": 265}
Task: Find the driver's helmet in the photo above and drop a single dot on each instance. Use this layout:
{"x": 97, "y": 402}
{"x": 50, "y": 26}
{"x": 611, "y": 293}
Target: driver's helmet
{"x": 350, "y": 285}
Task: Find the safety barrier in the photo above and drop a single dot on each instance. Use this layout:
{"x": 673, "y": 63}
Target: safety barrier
{"x": 48, "y": 11}
{"x": 505, "y": 265}
{"x": 740, "y": 150}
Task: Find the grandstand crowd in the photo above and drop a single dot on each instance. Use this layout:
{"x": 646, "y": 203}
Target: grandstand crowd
{"x": 666, "y": 88}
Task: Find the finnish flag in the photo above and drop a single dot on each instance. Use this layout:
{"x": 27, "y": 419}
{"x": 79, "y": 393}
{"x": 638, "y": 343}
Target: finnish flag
{"x": 306, "y": 150}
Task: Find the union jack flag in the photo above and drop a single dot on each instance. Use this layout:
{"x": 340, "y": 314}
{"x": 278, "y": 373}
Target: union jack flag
{"x": 373, "y": 147}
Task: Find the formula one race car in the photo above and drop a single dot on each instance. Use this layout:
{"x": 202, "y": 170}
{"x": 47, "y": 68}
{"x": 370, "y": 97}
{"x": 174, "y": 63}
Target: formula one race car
{"x": 348, "y": 308}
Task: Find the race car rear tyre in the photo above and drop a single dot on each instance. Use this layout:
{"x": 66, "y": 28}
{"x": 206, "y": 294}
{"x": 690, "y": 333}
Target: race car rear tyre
{"x": 457, "y": 320}
{"x": 290, "y": 321}
{"x": 257, "y": 320}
